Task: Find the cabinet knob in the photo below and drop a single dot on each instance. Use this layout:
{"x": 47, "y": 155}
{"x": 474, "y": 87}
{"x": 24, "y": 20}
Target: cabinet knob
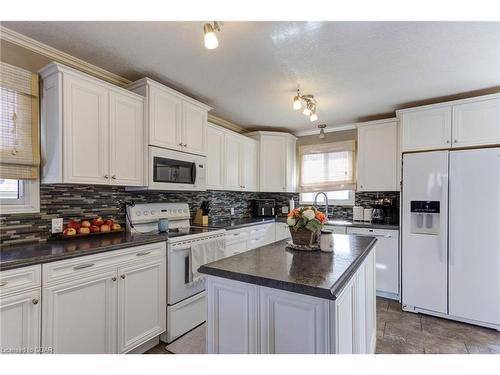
{"x": 113, "y": 177}
{"x": 123, "y": 276}
{"x": 34, "y": 301}
{"x": 113, "y": 278}
{"x": 185, "y": 144}
{"x": 180, "y": 144}
{"x": 106, "y": 176}
{"x": 447, "y": 141}
{"x": 455, "y": 141}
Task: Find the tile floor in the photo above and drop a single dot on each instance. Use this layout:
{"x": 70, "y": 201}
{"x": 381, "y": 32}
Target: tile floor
{"x": 398, "y": 332}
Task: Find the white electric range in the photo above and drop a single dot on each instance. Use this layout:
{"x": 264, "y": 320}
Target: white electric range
{"x": 186, "y": 301}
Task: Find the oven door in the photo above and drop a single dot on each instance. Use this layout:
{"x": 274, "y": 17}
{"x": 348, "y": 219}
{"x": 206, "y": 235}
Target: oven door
{"x": 179, "y": 270}
{"x": 173, "y": 170}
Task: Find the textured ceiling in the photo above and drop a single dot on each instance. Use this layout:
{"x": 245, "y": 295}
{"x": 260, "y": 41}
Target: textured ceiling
{"x": 354, "y": 69}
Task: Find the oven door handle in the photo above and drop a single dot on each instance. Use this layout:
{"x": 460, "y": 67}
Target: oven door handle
{"x": 187, "y": 271}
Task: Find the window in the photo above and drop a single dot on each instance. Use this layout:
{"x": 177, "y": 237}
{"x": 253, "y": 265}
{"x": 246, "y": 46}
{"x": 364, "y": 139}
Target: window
{"x": 336, "y": 198}
{"x": 19, "y": 140}
{"x": 327, "y": 167}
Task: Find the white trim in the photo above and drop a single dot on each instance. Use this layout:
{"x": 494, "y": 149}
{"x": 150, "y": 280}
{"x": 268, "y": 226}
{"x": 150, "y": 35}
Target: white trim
{"x": 59, "y": 56}
{"x": 342, "y": 127}
{"x": 31, "y": 203}
{"x": 262, "y": 132}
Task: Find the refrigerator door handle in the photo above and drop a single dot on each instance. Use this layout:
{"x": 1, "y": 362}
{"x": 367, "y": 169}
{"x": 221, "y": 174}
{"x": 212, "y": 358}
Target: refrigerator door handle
{"x": 443, "y": 249}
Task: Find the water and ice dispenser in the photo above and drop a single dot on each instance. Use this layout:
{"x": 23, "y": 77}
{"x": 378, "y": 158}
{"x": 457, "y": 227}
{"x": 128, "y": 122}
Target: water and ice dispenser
{"x": 424, "y": 217}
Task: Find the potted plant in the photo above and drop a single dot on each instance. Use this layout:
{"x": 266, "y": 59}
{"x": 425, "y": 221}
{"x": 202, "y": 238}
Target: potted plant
{"x": 305, "y": 225}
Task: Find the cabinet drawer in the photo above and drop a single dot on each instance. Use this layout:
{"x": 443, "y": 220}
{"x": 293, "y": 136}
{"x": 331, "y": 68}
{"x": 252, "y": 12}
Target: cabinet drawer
{"x": 387, "y": 233}
{"x": 336, "y": 229}
{"x": 236, "y": 235}
{"x": 236, "y": 248}
{"x": 70, "y": 268}
{"x": 18, "y": 279}
{"x": 260, "y": 230}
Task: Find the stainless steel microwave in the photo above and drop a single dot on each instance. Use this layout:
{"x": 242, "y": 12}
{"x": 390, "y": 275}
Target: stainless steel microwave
{"x": 174, "y": 170}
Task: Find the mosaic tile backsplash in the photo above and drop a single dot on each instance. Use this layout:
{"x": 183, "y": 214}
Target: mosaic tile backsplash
{"x": 88, "y": 201}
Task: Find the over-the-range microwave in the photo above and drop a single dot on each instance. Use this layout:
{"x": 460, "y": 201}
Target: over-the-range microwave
{"x": 174, "y": 170}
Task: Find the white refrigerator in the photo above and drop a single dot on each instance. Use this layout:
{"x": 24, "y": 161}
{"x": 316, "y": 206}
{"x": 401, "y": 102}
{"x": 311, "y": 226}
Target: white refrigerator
{"x": 451, "y": 235}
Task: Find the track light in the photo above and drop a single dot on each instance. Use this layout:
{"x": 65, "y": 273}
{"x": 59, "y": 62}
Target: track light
{"x": 297, "y": 104}
{"x": 322, "y": 131}
{"x": 309, "y": 105}
{"x": 211, "y": 41}
{"x": 313, "y": 117}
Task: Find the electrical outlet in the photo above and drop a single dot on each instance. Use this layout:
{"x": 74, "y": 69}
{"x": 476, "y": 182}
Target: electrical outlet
{"x": 232, "y": 210}
{"x": 57, "y": 225}
{"x": 284, "y": 209}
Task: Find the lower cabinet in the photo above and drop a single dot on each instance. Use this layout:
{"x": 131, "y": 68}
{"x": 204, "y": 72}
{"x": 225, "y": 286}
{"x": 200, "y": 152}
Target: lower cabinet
{"x": 20, "y": 322}
{"x": 246, "y": 318}
{"x": 107, "y": 303}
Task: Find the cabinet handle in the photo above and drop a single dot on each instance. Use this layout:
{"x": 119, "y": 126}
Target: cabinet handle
{"x": 113, "y": 177}
{"x": 81, "y": 266}
{"x": 3, "y": 283}
{"x": 185, "y": 144}
{"x": 34, "y": 301}
{"x": 106, "y": 176}
{"x": 142, "y": 253}
{"x": 113, "y": 278}
{"x": 455, "y": 141}
{"x": 123, "y": 276}
{"x": 180, "y": 144}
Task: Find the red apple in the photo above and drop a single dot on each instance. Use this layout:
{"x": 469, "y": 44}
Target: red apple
{"x": 86, "y": 224}
{"x": 74, "y": 224}
{"x": 98, "y": 221}
{"x": 84, "y": 230}
{"x": 108, "y": 222}
{"x": 94, "y": 228}
{"x": 69, "y": 232}
{"x": 116, "y": 226}
{"x": 105, "y": 228}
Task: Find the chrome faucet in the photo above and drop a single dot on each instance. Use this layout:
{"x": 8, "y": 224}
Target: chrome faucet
{"x": 326, "y": 202}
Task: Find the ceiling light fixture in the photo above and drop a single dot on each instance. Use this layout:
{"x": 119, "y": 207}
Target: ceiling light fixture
{"x": 309, "y": 105}
{"x": 322, "y": 131}
{"x": 209, "y": 29}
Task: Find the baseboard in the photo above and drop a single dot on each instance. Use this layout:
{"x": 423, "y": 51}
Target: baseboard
{"x": 393, "y": 296}
{"x": 145, "y": 346}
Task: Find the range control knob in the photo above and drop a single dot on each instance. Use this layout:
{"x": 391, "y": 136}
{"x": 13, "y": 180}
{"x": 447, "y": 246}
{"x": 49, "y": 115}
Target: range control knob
{"x": 138, "y": 213}
{"x": 145, "y": 213}
{"x": 185, "y": 211}
{"x": 153, "y": 212}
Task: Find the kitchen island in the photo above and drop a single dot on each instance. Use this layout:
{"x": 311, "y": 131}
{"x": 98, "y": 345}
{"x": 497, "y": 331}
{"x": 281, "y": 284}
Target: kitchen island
{"x": 276, "y": 300}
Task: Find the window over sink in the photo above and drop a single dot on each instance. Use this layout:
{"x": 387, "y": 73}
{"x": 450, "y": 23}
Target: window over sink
{"x": 336, "y": 198}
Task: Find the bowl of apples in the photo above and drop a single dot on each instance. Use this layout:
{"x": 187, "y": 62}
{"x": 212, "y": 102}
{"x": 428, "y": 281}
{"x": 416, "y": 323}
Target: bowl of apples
{"x": 96, "y": 226}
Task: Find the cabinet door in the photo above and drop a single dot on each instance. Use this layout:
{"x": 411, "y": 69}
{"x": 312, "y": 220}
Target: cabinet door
{"x": 165, "y": 111}
{"x": 370, "y": 302}
{"x": 232, "y": 317}
{"x": 126, "y": 148}
{"x": 345, "y": 332}
{"x": 426, "y": 129}
{"x": 248, "y": 165}
{"x": 476, "y": 124}
{"x": 292, "y": 323}
{"x": 20, "y": 322}
{"x": 215, "y": 158}
{"x": 142, "y": 305}
{"x": 272, "y": 163}
{"x": 291, "y": 165}
{"x": 378, "y": 157}
{"x": 80, "y": 316}
{"x": 282, "y": 231}
{"x": 86, "y": 126}
{"x": 232, "y": 162}
{"x": 194, "y": 129}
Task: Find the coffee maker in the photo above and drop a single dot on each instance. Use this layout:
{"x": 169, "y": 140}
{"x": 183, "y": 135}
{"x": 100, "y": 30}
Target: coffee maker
{"x": 386, "y": 211}
{"x": 264, "y": 207}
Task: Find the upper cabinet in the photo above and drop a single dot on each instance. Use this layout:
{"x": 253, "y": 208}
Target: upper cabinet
{"x": 231, "y": 160}
{"x": 460, "y": 123}
{"x": 277, "y": 161}
{"x": 174, "y": 120}
{"x": 91, "y": 131}
{"x": 378, "y": 156}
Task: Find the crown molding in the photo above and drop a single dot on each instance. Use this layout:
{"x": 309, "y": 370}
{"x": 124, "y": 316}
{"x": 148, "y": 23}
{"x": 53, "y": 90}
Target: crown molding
{"x": 61, "y": 57}
{"x": 225, "y": 124}
{"x": 338, "y": 128}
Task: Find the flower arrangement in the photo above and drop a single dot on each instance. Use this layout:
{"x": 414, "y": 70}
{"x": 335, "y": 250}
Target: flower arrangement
{"x": 305, "y": 223}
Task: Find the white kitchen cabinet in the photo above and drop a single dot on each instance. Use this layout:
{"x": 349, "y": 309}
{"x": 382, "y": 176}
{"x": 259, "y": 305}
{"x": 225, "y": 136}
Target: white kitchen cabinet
{"x": 232, "y": 316}
{"x": 277, "y": 161}
{"x": 232, "y": 156}
{"x": 105, "y": 303}
{"x": 90, "y": 130}
{"x": 387, "y": 259}
{"x": 215, "y": 157}
{"x": 425, "y": 129}
{"x": 378, "y": 156}
{"x": 476, "y": 123}
{"x": 281, "y": 315}
{"x": 248, "y": 164}
{"x": 282, "y": 231}
{"x": 345, "y": 320}
{"x": 336, "y": 229}
{"x": 126, "y": 146}
{"x": 174, "y": 121}
{"x": 20, "y": 322}
{"x": 261, "y": 235}
{"x": 460, "y": 123}
{"x": 141, "y": 303}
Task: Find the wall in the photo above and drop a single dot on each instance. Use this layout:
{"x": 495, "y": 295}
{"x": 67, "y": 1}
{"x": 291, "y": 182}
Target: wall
{"x": 87, "y": 201}
{"x": 343, "y": 135}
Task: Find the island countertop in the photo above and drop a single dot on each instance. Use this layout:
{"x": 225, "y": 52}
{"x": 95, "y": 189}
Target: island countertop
{"x": 314, "y": 273}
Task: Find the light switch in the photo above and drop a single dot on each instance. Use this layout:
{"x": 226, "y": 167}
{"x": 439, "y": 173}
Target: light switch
{"x": 232, "y": 210}
{"x": 57, "y": 225}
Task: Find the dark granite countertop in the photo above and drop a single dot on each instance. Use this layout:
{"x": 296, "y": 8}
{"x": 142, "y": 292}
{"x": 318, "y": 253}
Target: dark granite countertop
{"x": 30, "y": 254}
{"x": 361, "y": 224}
{"x": 318, "y": 274}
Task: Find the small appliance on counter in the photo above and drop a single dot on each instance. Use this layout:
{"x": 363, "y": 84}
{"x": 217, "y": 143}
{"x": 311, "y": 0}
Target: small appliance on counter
{"x": 264, "y": 207}
{"x": 357, "y": 213}
{"x": 386, "y": 211}
{"x": 367, "y": 215}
